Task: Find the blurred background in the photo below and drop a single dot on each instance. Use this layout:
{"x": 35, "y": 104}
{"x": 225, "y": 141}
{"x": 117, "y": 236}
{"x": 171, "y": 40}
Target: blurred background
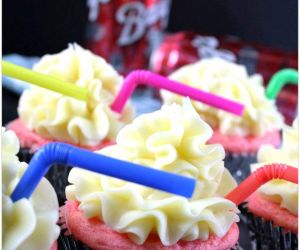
{"x": 160, "y": 35}
{"x": 33, "y": 27}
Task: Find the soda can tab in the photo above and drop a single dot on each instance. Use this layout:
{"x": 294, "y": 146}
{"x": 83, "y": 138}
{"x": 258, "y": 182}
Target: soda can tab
{"x": 124, "y": 32}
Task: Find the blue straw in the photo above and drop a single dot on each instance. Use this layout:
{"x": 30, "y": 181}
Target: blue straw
{"x": 69, "y": 155}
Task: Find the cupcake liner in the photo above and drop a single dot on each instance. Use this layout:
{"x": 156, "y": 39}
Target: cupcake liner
{"x": 24, "y": 155}
{"x": 239, "y": 165}
{"x": 265, "y": 235}
{"x": 69, "y": 243}
{"x": 57, "y": 175}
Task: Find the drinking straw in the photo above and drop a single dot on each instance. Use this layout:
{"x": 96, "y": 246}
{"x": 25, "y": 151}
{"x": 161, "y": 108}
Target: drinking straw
{"x": 45, "y": 81}
{"x": 148, "y": 78}
{"x": 69, "y": 155}
{"x": 278, "y": 80}
{"x": 259, "y": 178}
{"x": 130, "y": 83}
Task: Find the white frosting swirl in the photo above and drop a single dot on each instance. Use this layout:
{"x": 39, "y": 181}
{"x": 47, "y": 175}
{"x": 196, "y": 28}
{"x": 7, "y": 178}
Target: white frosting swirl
{"x": 27, "y": 223}
{"x": 280, "y": 191}
{"x": 171, "y": 139}
{"x": 231, "y": 81}
{"x": 55, "y": 116}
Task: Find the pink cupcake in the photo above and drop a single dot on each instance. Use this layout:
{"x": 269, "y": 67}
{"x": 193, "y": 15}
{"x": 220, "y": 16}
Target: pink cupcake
{"x": 106, "y": 213}
{"x": 46, "y": 116}
{"x": 273, "y": 209}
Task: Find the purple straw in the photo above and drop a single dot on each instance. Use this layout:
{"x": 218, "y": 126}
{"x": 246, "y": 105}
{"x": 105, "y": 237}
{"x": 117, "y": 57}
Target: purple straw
{"x": 70, "y": 155}
{"x": 157, "y": 81}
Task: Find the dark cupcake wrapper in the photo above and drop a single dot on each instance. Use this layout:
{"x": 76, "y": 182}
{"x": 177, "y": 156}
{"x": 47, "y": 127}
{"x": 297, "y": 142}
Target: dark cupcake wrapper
{"x": 24, "y": 155}
{"x": 69, "y": 243}
{"x": 239, "y": 165}
{"x": 265, "y": 235}
{"x": 57, "y": 175}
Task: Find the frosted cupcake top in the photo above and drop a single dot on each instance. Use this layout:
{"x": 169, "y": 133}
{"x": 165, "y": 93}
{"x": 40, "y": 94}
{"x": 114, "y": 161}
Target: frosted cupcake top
{"x": 231, "y": 81}
{"x": 171, "y": 139}
{"x": 27, "y": 223}
{"x": 55, "y": 116}
{"x": 280, "y": 191}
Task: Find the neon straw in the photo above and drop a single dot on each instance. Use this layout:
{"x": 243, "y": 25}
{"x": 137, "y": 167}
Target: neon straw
{"x": 45, "y": 81}
{"x": 146, "y": 77}
{"x": 70, "y": 155}
{"x": 259, "y": 178}
{"x": 280, "y": 79}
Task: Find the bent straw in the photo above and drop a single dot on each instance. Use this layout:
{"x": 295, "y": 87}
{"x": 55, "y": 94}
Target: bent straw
{"x": 148, "y": 78}
{"x": 278, "y": 81}
{"x": 45, "y": 81}
{"x": 70, "y": 155}
{"x": 259, "y": 178}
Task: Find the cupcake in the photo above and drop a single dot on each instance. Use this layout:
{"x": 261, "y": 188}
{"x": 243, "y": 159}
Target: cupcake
{"x": 240, "y": 136}
{"x": 115, "y": 214}
{"x": 26, "y": 223}
{"x": 46, "y": 116}
{"x": 273, "y": 210}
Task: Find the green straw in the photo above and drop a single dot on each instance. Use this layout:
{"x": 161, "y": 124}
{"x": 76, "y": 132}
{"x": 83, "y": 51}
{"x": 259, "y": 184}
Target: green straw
{"x": 279, "y": 79}
{"x": 45, "y": 81}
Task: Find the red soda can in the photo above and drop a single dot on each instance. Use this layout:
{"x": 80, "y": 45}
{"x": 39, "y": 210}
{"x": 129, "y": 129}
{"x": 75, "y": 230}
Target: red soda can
{"x": 124, "y": 31}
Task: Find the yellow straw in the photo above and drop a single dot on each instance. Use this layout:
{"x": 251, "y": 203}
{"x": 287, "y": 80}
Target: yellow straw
{"x": 45, "y": 81}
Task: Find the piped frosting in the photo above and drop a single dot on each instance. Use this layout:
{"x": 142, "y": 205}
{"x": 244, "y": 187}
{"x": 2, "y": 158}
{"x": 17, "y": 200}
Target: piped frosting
{"x": 171, "y": 139}
{"x": 55, "y": 116}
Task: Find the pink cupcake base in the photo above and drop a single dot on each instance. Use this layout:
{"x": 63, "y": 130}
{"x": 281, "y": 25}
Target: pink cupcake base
{"x": 29, "y": 139}
{"x": 98, "y": 236}
{"x": 271, "y": 211}
{"x": 54, "y": 246}
{"x": 245, "y": 144}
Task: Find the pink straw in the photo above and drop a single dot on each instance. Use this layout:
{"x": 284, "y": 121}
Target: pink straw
{"x": 259, "y": 178}
{"x": 148, "y": 78}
